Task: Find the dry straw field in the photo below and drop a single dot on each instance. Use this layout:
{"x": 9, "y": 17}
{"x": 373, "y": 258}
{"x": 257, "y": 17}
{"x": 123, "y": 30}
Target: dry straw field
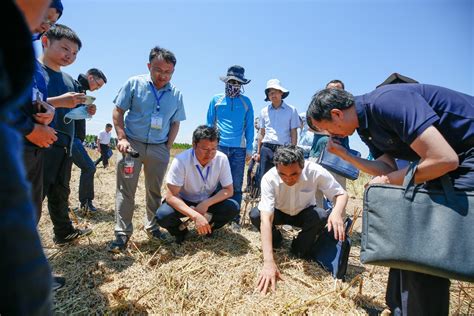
{"x": 204, "y": 276}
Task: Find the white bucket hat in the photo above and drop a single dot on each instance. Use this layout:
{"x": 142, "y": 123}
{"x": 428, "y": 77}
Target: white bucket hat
{"x": 275, "y": 84}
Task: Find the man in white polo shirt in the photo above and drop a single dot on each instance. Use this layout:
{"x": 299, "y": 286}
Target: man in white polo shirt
{"x": 288, "y": 196}
{"x": 103, "y": 143}
{"x": 191, "y": 182}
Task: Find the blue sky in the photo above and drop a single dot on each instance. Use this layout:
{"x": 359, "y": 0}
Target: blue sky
{"x": 303, "y": 43}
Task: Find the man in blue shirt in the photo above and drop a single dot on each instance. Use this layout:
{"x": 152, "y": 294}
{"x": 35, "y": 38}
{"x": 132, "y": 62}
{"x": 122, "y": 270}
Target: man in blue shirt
{"x": 278, "y": 125}
{"x": 154, "y": 110}
{"x": 232, "y": 114}
{"x": 413, "y": 122}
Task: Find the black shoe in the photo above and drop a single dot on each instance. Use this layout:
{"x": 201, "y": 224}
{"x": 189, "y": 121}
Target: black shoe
{"x": 88, "y": 206}
{"x": 75, "y": 234}
{"x": 58, "y": 283}
{"x": 179, "y": 239}
{"x": 158, "y": 236}
{"x": 119, "y": 244}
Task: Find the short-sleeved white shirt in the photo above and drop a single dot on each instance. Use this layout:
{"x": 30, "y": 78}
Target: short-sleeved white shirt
{"x": 275, "y": 194}
{"x": 104, "y": 137}
{"x": 198, "y": 186}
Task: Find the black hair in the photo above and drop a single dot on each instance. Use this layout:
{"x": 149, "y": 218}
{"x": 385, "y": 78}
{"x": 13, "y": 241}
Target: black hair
{"x": 108, "y": 125}
{"x": 163, "y": 54}
{"x": 288, "y": 155}
{"x": 97, "y": 73}
{"x": 205, "y": 132}
{"x": 60, "y": 31}
{"x": 326, "y": 100}
{"x": 336, "y": 81}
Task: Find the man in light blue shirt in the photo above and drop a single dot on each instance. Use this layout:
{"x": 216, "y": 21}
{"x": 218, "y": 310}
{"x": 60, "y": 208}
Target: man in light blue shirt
{"x": 154, "y": 110}
{"x": 278, "y": 125}
{"x": 232, "y": 114}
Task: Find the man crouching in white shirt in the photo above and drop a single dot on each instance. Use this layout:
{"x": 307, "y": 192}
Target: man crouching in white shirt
{"x": 288, "y": 193}
{"x": 192, "y": 180}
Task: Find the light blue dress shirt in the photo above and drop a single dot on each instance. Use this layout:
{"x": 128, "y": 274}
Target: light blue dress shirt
{"x": 278, "y": 123}
{"x": 136, "y": 97}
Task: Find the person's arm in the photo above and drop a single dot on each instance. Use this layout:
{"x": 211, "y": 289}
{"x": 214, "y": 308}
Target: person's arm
{"x": 294, "y": 136}
{"x": 437, "y": 158}
{"x": 249, "y": 132}
{"x": 174, "y": 128}
{"x": 223, "y": 194}
{"x": 67, "y": 100}
{"x": 98, "y": 143}
{"x": 270, "y": 273}
{"x": 174, "y": 200}
{"x": 117, "y": 117}
{"x": 42, "y": 135}
{"x": 336, "y": 218}
{"x": 259, "y": 147}
{"x": 211, "y": 113}
{"x": 383, "y": 165}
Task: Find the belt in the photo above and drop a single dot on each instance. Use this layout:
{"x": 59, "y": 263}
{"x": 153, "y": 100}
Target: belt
{"x": 273, "y": 147}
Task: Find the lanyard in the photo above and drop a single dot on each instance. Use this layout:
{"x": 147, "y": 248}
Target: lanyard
{"x": 156, "y": 97}
{"x": 204, "y": 179}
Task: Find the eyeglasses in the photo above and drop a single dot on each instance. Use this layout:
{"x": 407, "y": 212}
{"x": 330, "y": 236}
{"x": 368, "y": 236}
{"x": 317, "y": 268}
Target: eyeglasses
{"x": 208, "y": 150}
{"x": 99, "y": 85}
{"x": 163, "y": 73}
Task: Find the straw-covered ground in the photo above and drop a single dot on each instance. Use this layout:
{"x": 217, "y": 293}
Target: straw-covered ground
{"x": 214, "y": 275}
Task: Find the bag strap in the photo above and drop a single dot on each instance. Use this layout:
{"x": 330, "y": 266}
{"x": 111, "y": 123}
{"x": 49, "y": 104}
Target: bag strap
{"x": 410, "y": 187}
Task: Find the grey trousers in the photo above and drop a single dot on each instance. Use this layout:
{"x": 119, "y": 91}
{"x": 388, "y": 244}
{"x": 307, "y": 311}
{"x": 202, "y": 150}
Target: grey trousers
{"x": 154, "y": 158}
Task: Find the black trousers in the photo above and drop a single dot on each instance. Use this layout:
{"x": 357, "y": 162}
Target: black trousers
{"x": 33, "y": 159}
{"x": 222, "y": 213}
{"x": 311, "y": 220}
{"x": 57, "y": 174}
{"x": 103, "y": 155}
{"x": 414, "y": 293}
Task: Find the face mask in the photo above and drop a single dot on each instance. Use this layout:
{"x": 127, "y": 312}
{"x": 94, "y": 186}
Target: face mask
{"x": 79, "y": 113}
{"x": 232, "y": 91}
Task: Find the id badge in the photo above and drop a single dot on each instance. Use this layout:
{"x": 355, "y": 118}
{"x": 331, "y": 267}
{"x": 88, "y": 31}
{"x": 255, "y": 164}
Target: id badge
{"x": 156, "y": 121}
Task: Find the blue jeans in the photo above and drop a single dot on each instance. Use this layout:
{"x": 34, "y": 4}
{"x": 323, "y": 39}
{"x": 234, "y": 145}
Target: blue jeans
{"x": 81, "y": 158}
{"x": 236, "y": 156}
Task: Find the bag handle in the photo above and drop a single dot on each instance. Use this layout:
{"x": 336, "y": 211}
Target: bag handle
{"x": 410, "y": 187}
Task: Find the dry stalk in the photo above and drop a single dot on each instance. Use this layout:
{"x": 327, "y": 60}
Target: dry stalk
{"x": 141, "y": 296}
{"x": 301, "y": 308}
{"x": 135, "y": 246}
{"x": 372, "y": 271}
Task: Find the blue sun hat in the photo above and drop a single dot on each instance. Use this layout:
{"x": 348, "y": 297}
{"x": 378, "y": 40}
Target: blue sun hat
{"x": 235, "y": 72}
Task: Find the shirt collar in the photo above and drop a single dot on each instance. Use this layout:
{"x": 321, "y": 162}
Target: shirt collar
{"x": 282, "y": 106}
{"x": 167, "y": 87}
{"x": 361, "y": 109}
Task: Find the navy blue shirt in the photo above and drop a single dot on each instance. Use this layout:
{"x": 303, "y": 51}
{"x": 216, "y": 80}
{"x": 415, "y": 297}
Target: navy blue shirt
{"x": 393, "y": 116}
{"x": 58, "y": 84}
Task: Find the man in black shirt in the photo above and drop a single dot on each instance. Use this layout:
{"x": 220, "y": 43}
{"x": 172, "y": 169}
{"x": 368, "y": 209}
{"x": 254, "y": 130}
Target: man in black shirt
{"x": 93, "y": 80}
